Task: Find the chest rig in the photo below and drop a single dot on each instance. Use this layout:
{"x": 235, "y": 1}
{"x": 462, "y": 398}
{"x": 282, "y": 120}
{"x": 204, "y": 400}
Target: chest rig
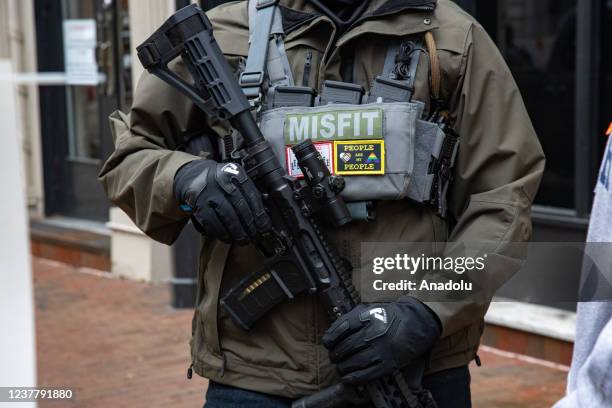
{"x": 378, "y": 143}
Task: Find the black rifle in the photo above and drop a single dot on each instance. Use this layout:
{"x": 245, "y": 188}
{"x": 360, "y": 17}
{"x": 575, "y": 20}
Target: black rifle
{"x": 298, "y": 257}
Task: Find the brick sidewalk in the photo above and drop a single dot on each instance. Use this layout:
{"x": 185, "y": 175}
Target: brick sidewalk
{"x": 119, "y": 344}
{"x": 116, "y": 343}
{"x": 511, "y": 382}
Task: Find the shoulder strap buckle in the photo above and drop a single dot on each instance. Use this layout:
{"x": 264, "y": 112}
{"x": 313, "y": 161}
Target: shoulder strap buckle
{"x": 266, "y": 64}
{"x": 248, "y": 79}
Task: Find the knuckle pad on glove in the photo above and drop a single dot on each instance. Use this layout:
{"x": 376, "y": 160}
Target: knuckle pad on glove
{"x": 231, "y": 222}
{"x": 242, "y": 210}
{"x": 335, "y": 333}
{"x": 349, "y": 346}
{"x": 207, "y": 217}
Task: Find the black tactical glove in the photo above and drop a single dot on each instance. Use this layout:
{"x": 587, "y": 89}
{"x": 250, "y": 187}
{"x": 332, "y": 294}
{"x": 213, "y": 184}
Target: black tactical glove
{"x": 378, "y": 339}
{"x": 222, "y": 199}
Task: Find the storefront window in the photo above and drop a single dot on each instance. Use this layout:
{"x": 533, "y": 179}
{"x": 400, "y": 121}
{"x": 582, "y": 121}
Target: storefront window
{"x": 82, "y": 100}
{"x": 125, "y": 55}
{"x": 86, "y": 103}
{"x": 89, "y": 41}
{"x": 538, "y": 40}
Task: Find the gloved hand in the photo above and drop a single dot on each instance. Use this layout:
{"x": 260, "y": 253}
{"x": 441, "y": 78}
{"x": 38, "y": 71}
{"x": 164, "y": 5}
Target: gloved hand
{"x": 378, "y": 339}
{"x": 222, "y": 199}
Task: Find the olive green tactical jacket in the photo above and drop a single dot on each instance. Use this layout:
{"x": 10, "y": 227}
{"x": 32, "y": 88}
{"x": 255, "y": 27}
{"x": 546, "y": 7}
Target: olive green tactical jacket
{"x": 497, "y": 175}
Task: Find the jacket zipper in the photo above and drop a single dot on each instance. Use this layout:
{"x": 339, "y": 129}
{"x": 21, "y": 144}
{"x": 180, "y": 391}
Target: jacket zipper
{"x": 223, "y": 364}
{"x": 307, "y": 66}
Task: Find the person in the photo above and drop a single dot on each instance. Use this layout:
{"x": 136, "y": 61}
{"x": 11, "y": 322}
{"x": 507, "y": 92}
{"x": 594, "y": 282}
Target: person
{"x": 589, "y": 381}
{"x": 292, "y": 351}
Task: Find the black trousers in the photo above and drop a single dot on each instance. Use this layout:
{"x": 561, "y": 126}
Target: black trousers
{"x": 450, "y": 389}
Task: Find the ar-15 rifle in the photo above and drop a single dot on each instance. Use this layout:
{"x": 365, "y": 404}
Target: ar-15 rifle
{"x": 298, "y": 257}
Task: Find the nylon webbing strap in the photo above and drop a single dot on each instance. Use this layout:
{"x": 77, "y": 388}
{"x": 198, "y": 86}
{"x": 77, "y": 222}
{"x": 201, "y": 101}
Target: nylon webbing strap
{"x": 267, "y": 58}
{"x": 278, "y": 64}
{"x": 261, "y": 17}
{"x": 279, "y": 70}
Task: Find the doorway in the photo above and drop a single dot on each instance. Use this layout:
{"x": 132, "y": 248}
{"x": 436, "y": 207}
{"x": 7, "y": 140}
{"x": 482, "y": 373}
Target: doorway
{"x": 74, "y": 126}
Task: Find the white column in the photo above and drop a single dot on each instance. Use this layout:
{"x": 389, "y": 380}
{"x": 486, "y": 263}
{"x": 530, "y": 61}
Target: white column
{"x": 4, "y": 32}
{"x": 134, "y": 255}
{"x": 17, "y": 342}
{"x": 18, "y": 43}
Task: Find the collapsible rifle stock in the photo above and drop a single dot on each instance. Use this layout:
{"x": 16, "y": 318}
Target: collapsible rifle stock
{"x": 298, "y": 257}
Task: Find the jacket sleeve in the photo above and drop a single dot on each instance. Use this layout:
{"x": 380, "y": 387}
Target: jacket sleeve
{"x": 138, "y": 177}
{"x": 497, "y": 174}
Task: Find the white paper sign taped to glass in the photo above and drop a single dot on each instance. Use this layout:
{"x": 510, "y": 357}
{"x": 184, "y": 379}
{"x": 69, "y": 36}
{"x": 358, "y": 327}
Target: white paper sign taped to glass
{"x": 80, "y": 52}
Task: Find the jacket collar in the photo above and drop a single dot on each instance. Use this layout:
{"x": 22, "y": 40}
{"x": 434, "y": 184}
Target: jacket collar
{"x": 374, "y": 6}
{"x": 386, "y": 17}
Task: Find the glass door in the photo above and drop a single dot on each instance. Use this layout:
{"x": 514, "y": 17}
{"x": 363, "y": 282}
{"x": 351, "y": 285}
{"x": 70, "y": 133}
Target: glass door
{"x": 75, "y": 130}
